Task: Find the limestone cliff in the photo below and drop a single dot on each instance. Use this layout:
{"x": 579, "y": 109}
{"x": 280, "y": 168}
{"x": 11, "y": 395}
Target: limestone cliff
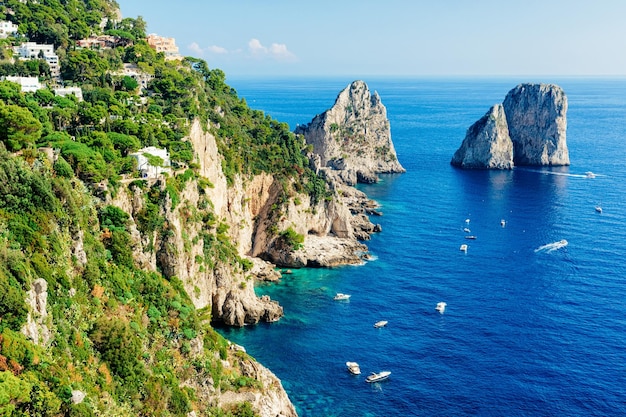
{"x": 487, "y": 143}
{"x": 536, "y": 114}
{"x": 529, "y": 128}
{"x": 252, "y": 212}
{"x": 354, "y": 136}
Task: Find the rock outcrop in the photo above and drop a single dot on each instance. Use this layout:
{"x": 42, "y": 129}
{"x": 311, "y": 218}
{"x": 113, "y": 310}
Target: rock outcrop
{"x": 36, "y": 327}
{"x": 487, "y": 143}
{"x": 354, "y": 136}
{"x": 529, "y": 128}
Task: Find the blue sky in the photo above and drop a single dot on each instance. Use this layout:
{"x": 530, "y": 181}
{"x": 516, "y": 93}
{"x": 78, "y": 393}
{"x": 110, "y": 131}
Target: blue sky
{"x": 395, "y": 37}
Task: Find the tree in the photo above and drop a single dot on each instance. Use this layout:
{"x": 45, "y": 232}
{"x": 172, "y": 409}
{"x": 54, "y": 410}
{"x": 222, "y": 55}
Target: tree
{"x": 19, "y": 129}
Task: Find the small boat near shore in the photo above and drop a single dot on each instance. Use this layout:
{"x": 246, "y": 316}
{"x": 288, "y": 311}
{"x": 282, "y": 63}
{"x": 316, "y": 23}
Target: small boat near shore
{"x": 341, "y": 296}
{"x": 590, "y": 174}
{"x": 380, "y": 324}
{"x": 354, "y": 368}
{"x": 377, "y": 377}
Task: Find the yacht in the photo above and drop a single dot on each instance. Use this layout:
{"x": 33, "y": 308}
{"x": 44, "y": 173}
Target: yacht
{"x": 599, "y": 209}
{"x": 441, "y": 307}
{"x": 590, "y": 174}
{"x": 341, "y": 296}
{"x": 502, "y": 222}
{"x": 353, "y": 367}
{"x": 376, "y": 377}
{"x": 381, "y": 323}
{"x": 463, "y": 247}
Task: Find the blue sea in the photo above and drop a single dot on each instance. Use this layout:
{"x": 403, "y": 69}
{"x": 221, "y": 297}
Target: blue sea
{"x": 527, "y": 331}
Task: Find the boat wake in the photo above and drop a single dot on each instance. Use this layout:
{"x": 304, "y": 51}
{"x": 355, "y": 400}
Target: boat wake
{"x": 587, "y": 174}
{"x": 552, "y": 246}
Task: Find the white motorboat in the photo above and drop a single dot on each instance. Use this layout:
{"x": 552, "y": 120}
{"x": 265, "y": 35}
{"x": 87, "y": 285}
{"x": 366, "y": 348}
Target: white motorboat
{"x": 441, "y": 307}
{"x": 502, "y": 222}
{"x": 467, "y": 230}
{"x": 472, "y": 237}
{"x": 463, "y": 247}
{"x": 381, "y": 323}
{"x": 341, "y": 296}
{"x": 376, "y": 377}
{"x": 353, "y": 367}
{"x": 590, "y": 174}
{"x": 599, "y": 209}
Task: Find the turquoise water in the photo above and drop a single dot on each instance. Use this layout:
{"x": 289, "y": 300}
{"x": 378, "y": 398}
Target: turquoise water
{"x": 525, "y": 333}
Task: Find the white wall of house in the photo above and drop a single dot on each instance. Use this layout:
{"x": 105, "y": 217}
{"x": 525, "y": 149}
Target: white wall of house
{"x": 147, "y": 170}
{"x": 28, "y": 84}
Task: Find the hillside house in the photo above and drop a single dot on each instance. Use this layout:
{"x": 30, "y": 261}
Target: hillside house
{"x": 27, "y": 84}
{"x": 7, "y": 28}
{"x": 33, "y": 50}
{"x": 143, "y": 157}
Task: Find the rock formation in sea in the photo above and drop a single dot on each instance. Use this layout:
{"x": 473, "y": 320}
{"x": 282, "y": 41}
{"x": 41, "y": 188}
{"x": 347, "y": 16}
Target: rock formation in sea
{"x": 353, "y": 137}
{"x": 531, "y": 122}
{"x": 487, "y": 143}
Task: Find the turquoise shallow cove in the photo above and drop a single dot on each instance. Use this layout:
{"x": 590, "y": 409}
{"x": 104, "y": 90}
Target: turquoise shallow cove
{"x": 525, "y": 332}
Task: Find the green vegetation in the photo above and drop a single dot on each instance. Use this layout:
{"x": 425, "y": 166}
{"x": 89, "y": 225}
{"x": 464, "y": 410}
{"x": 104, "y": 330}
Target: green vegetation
{"x": 129, "y": 338}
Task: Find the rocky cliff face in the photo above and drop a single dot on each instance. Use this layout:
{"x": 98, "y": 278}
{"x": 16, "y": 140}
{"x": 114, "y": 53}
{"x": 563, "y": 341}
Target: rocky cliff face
{"x": 331, "y": 230}
{"x": 354, "y": 136}
{"x": 527, "y": 129}
{"x": 536, "y": 114}
{"x": 487, "y": 143}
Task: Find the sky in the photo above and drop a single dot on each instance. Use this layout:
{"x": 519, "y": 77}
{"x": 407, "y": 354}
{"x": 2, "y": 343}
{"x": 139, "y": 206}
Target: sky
{"x": 250, "y": 38}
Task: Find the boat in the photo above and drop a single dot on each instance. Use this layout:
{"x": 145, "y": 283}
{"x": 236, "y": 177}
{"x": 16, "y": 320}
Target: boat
{"x": 353, "y": 367}
{"x": 381, "y": 323}
{"x": 341, "y": 296}
{"x": 470, "y": 237}
{"x": 377, "y": 377}
{"x": 502, "y": 222}
{"x": 466, "y": 230}
{"x": 463, "y": 247}
{"x": 441, "y": 307}
{"x": 590, "y": 174}
{"x": 599, "y": 209}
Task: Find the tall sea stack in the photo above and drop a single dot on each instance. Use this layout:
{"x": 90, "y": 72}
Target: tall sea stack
{"x": 354, "y": 136}
{"x": 532, "y": 122}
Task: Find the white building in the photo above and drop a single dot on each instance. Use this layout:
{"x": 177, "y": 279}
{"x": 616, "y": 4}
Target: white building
{"x": 7, "y": 28}
{"x": 33, "y": 50}
{"x": 28, "y": 84}
{"x": 65, "y": 91}
{"x": 147, "y": 170}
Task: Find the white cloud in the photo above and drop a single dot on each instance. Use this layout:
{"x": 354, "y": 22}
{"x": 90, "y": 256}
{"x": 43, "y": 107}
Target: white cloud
{"x": 213, "y": 49}
{"x": 195, "y": 48}
{"x": 277, "y": 51}
{"x": 256, "y": 47}
{"x": 217, "y": 49}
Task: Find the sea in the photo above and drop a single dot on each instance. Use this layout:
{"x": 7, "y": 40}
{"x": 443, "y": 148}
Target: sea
{"x": 532, "y": 327}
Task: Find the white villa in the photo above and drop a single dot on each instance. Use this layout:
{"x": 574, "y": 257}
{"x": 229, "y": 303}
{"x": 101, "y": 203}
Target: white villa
{"x": 147, "y": 170}
{"x": 33, "y": 50}
{"x": 28, "y": 84}
{"x": 7, "y": 28}
{"x": 64, "y": 91}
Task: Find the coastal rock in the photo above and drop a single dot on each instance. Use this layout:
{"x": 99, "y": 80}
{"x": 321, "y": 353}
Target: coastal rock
{"x": 487, "y": 143}
{"x": 527, "y": 129}
{"x": 536, "y": 114}
{"x": 36, "y": 327}
{"x": 354, "y": 135}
